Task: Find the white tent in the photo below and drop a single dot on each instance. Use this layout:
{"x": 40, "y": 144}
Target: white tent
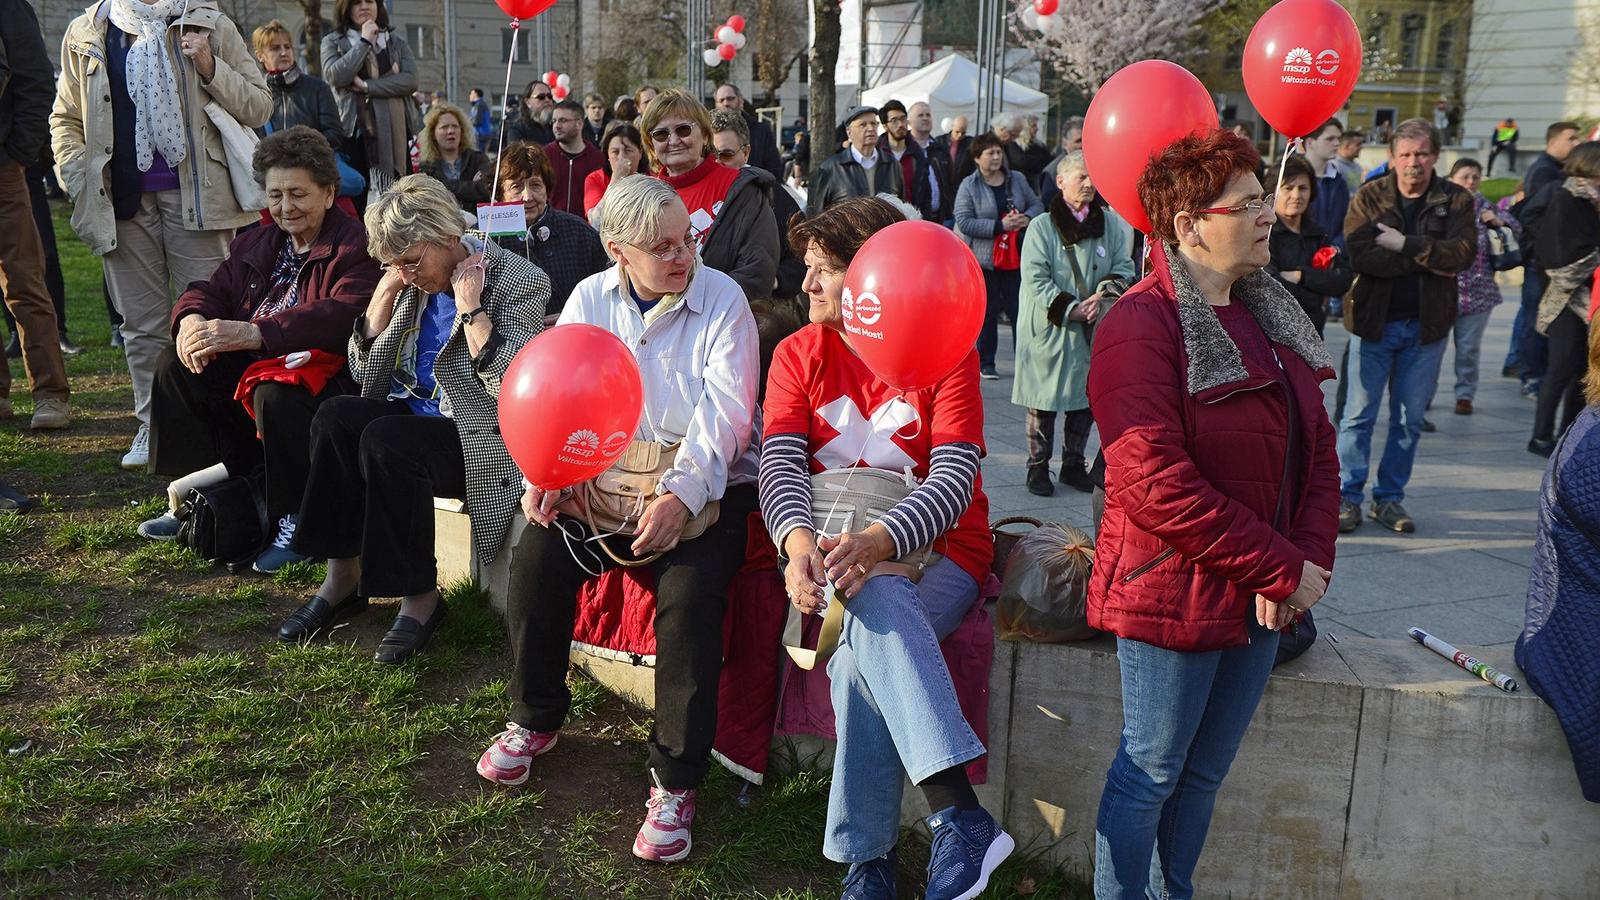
{"x": 950, "y": 86}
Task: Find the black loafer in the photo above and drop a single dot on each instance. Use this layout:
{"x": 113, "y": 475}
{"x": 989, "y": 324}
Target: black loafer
{"x": 407, "y": 637}
{"x": 317, "y": 615}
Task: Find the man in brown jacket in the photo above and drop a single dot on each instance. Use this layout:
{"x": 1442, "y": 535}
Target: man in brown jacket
{"x": 1408, "y": 234}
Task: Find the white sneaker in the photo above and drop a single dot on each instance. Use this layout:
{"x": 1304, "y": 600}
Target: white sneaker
{"x": 137, "y": 459}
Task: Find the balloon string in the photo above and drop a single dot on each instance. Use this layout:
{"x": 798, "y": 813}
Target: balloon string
{"x": 1283, "y": 164}
{"x": 500, "y": 144}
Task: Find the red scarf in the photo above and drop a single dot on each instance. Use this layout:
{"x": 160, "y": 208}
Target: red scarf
{"x": 702, "y": 189}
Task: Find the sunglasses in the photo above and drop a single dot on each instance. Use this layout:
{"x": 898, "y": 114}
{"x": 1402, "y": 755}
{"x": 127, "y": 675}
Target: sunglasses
{"x": 728, "y": 155}
{"x": 544, "y": 96}
{"x": 681, "y": 132}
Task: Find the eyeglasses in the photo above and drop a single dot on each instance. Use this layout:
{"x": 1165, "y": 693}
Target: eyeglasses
{"x": 1254, "y": 206}
{"x": 544, "y": 96}
{"x": 691, "y": 244}
{"x": 681, "y": 131}
{"x": 408, "y": 270}
{"x": 728, "y": 155}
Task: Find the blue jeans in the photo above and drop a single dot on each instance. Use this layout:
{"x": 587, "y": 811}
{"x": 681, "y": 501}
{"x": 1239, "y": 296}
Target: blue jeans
{"x": 894, "y": 706}
{"x": 1184, "y": 715}
{"x": 1414, "y": 370}
{"x": 1001, "y": 287}
{"x": 1528, "y": 346}
{"x": 1468, "y": 334}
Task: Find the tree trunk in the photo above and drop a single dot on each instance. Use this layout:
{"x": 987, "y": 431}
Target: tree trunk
{"x": 313, "y": 11}
{"x": 824, "y": 57}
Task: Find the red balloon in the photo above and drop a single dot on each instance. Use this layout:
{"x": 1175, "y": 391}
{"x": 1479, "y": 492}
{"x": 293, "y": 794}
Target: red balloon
{"x": 525, "y": 9}
{"x": 569, "y": 404}
{"x": 559, "y": 92}
{"x": 736, "y": 23}
{"x": 1046, "y": 7}
{"x": 1301, "y": 62}
{"x": 1134, "y": 115}
{"x": 726, "y": 51}
{"x": 550, "y": 77}
{"x": 913, "y": 304}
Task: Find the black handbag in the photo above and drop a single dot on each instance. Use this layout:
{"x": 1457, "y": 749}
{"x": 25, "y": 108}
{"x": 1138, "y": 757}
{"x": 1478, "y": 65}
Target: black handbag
{"x": 226, "y": 521}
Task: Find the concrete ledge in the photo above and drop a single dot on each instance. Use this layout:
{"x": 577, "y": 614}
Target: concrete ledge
{"x": 1372, "y": 769}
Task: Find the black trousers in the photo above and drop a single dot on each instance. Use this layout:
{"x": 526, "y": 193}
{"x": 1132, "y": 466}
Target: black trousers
{"x": 1041, "y": 427}
{"x": 196, "y": 423}
{"x": 375, "y": 469}
{"x": 1562, "y": 385}
{"x": 691, "y": 596}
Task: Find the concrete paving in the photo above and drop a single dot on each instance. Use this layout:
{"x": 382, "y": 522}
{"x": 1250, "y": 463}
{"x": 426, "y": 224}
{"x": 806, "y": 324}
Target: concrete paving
{"x": 1474, "y": 493}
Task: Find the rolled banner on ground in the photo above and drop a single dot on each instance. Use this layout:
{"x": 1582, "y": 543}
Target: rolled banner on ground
{"x": 1481, "y": 669}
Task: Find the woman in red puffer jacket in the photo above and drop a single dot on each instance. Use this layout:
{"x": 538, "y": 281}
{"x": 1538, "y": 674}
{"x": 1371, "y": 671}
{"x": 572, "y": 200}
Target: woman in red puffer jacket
{"x": 1222, "y": 500}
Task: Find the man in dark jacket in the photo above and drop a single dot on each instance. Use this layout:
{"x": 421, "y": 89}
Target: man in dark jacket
{"x": 858, "y": 170}
{"x": 1527, "y": 355}
{"x": 955, "y": 144}
{"x": 942, "y": 191}
{"x": 731, "y": 143}
{"x": 297, "y": 98}
{"x": 763, "y": 146}
{"x": 1408, "y": 234}
{"x": 896, "y": 141}
{"x": 532, "y": 124}
{"x": 26, "y": 91}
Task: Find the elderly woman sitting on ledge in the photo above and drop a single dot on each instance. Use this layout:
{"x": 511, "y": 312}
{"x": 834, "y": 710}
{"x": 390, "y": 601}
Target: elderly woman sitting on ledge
{"x": 297, "y": 286}
{"x": 444, "y": 324}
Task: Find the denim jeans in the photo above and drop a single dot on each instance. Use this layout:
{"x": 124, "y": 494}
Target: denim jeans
{"x": 1528, "y": 347}
{"x": 1468, "y": 335}
{"x": 1184, "y": 715}
{"x": 894, "y": 706}
{"x": 1411, "y": 371}
{"x": 1001, "y": 287}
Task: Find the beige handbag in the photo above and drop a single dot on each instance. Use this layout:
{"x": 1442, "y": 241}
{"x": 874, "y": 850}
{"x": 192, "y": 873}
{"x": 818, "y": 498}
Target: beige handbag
{"x": 842, "y": 501}
{"x": 614, "y": 500}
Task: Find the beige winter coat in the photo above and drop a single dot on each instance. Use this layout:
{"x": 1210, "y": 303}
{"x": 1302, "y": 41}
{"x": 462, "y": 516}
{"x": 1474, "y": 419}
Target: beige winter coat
{"x": 81, "y": 132}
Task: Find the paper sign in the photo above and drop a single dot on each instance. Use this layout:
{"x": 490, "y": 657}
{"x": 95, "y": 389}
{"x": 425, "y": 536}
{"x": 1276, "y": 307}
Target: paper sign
{"x": 502, "y": 218}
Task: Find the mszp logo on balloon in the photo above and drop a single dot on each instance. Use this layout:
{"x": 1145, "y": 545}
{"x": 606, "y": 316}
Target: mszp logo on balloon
{"x": 580, "y": 447}
{"x": 1298, "y": 65}
{"x": 860, "y": 312}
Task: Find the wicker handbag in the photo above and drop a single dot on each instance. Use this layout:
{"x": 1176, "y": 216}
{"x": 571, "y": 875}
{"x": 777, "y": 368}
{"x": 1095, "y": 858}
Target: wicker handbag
{"x": 614, "y": 500}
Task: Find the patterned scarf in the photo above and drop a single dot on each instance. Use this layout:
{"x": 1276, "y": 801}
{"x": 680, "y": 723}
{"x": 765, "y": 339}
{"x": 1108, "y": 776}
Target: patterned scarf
{"x": 151, "y": 82}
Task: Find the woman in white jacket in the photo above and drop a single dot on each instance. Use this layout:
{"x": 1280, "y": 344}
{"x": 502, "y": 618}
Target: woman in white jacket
{"x": 143, "y": 163}
{"x": 694, "y": 337}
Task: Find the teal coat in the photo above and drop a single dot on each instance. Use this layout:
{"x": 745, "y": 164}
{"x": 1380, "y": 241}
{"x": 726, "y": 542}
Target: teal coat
{"x": 1053, "y": 360}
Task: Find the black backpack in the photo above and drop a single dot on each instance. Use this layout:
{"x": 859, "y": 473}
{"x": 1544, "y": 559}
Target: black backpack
{"x": 225, "y": 522}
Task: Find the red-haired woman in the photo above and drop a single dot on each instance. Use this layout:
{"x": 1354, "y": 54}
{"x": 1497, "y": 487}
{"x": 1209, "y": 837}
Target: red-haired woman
{"x": 1222, "y": 501}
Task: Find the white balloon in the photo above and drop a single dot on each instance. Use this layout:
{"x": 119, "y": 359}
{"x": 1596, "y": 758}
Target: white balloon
{"x": 1051, "y": 24}
{"x": 711, "y": 57}
{"x": 737, "y": 41}
{"x": 944, "y": 124}
{"x": 726, "y": 34}
{"x": 564, "y": 80}
{"x": 1030, "y": 19}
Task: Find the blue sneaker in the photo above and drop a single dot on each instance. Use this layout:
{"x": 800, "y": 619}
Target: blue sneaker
{"x": 968, "y": 845}
{"x": 871, "y": 880}
{"x": 278, "y": 554}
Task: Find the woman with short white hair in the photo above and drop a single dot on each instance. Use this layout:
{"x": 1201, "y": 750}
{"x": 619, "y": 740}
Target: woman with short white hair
{"x": 446, "y": 320}
{"x": 694, "y": 337}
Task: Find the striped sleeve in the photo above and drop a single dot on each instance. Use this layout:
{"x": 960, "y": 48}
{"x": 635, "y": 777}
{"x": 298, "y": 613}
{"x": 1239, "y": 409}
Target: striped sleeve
{"x": 785, "y": 485}
{"x": 936, "y": 504}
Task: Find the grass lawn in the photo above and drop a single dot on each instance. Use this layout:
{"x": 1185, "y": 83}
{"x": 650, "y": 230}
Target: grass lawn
{"x": 1495, "y": 188}
{"x": 160, "y": 742}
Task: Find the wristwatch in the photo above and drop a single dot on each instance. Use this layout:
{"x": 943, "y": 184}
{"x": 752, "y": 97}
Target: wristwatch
{"x": 467, "y": 317}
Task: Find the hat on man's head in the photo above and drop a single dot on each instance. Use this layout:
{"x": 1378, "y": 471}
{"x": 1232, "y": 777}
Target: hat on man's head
{"x": 857, "y": 112}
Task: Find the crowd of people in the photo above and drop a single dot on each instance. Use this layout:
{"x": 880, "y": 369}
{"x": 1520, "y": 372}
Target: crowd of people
{"x": 345, "y": 347}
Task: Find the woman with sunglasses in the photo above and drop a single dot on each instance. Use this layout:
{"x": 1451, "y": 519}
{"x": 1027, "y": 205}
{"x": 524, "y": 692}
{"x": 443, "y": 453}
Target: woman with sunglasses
{"x": 448, "y": 316}
{"x": 557, "y": 241}
{"x": 1222, "y": 502}
{"x": 729, "y": 209}
{"x": 695, "y": 339}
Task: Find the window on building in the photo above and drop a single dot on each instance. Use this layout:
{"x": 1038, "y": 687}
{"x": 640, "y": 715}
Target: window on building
{"x": 424, "y": 41}
{"x": 1411, "y": 25}
{"x": 1444, "y": 46}
{"x": 515, "y": 44}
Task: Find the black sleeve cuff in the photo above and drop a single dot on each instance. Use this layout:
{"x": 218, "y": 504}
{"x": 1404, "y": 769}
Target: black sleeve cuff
{"x": 487, "y": 355}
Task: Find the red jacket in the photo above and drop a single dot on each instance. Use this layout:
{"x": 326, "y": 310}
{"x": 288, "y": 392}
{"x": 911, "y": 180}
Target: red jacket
{"x": 336, "y": 284}
{"x": 570, "y": 173}
{"x": 1194, "y": 446}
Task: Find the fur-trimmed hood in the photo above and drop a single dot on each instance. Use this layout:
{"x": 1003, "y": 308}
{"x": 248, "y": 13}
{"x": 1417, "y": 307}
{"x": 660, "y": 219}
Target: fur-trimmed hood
{"x": 1214, "y": 359}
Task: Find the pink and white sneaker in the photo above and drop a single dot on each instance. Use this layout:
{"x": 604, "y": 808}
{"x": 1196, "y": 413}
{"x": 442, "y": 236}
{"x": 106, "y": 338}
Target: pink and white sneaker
{"x": 664, "y": 836}
{"x": 509, "y": 759}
